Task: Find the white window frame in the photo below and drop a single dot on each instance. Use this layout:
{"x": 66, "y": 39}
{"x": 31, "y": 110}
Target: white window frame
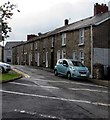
{"x": 31, "y": 57}
{"x": 81, "y": 55}
{"x": 31, "y": 46}
{"x": 58, "y": 54}
{"x": 63, "y": 54}
{"x": 36, "y": 45}
{"x": 81, "y": 36}
{"x": 46, "y": 59}
{"x": 74, "y": 55}
{"x": 52, "y": 42}
{"x": 64, "y": 39}
{"x": 44, "y": 43}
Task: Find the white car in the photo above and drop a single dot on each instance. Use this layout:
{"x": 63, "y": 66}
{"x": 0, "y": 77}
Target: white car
{"x": 4, "y": 67}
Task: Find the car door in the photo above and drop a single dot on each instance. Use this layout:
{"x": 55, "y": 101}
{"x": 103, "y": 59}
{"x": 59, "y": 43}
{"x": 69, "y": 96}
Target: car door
{"x": 59, "y": 66}
{"x": 64, "y": 67}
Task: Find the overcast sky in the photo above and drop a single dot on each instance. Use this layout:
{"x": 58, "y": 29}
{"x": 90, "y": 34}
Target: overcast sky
{"x": 46, "y": 15}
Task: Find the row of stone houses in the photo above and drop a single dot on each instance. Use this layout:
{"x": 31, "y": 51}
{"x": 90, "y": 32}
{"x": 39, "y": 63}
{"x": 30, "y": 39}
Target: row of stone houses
{"x": 7, "y": 51}
{"x": 87, "y": 40}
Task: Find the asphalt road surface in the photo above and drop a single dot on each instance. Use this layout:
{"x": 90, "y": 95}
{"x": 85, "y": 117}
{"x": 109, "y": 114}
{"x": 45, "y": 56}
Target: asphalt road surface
{"x": 43, "y": 95}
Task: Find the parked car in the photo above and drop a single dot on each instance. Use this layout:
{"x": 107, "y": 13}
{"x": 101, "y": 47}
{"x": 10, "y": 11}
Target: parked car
{"x": 4, "y": 67}
{"x": 71, "y": 69}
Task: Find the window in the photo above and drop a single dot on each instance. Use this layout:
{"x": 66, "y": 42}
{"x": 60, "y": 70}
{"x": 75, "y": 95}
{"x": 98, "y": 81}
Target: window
{"x": 65, "y": 62}
{"x": 31, "y": 46}
{"x": 36, "y": 45}
{"x": 63, "y": 39}
{"x": 58, "y": 54}
{"x": 63, "y": 54}
{"x": 52, "y": 42}
{"x": 81, "y": 56}
{"x": 74, "y": 55}
{"x": 30, "y": 56}
{"x": 81, "y": 37}
{"x": 60, "y": 62}
{"x": 44, "y": 43}
{"x": 9, "y": 53}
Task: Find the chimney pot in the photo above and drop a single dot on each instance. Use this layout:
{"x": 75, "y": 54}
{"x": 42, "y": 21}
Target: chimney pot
{"x": 100, "y": 8}
{"x": 66, "y": 21}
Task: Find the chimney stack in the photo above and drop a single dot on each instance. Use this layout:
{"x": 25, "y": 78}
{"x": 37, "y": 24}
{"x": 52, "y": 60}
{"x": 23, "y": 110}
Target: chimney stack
{"x": 66, "y": 21}
{"x": 100, "y": 8}
{"x": 109, "y": 5}
{"x": 31, "y": 36}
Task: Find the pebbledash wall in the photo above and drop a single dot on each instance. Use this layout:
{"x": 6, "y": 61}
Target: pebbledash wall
{"x": 87, "y": 40}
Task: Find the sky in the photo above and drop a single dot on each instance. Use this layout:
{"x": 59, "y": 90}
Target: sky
{"x": 45, "y": 15}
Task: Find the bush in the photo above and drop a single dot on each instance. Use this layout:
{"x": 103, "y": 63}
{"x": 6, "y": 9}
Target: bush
{"x": 98, "y": 72}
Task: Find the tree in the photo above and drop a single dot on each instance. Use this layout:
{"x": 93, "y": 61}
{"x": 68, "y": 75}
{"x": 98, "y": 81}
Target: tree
{"x": 6, "y": 13}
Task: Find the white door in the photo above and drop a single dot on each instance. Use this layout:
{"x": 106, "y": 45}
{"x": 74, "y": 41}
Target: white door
{"x": 46, "y": 59}
{"x": 18, "y": 60}
{"x": 37, "y": 59}
{"x": 29, "y": 58}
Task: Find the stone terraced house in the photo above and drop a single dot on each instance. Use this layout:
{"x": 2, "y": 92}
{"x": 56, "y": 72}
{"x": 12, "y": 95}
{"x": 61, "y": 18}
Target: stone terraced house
{"x": 86, "y": 40}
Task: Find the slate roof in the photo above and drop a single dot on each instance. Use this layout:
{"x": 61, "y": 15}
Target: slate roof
{"x": 94, "y": 20}
{"x": 9, "y": 45}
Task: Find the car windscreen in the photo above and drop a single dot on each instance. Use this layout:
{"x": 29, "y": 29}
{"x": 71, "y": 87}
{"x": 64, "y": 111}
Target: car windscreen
{"x": 77, "y": 63}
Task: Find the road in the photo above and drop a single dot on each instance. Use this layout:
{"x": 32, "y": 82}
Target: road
{"x": 43, "y": 95}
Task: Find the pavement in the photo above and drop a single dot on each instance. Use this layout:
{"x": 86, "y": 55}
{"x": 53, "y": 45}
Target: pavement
{"x": 96, "y": 81}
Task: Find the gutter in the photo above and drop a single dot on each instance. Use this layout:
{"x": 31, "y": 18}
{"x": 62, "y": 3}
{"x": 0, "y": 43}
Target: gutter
{"x": 91, "y": 28}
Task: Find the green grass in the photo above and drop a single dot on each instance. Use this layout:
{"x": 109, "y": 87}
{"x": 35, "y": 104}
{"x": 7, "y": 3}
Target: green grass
{"x": 9, "y": 76}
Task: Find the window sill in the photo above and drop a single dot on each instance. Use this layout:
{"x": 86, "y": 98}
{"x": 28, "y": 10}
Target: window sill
{"x": 64, "y": 45}
{"x": 81, "y": 44}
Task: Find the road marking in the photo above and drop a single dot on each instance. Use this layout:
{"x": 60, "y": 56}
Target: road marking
{"x": 35, "y": 113}
{"x": 70, "y": 83}
{"x": 83, "y": 89}
{"x": 22, "y": 73}
{"x": 28, "y": 85}
{"x": 51, "y": 87}
{"x": 56, "y": 98}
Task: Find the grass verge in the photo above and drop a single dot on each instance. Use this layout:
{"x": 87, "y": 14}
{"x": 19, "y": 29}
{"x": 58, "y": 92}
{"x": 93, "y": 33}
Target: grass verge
{"x": 11, "y": 75}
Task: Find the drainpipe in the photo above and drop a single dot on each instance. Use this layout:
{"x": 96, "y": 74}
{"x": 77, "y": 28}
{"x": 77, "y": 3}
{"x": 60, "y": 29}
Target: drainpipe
{"x": 91, "y": 52}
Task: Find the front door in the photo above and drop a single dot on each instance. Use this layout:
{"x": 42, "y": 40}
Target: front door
{"x": 37, "y": 59}
{"x": 46, "y": 59}
{"x": 52, "y": 60}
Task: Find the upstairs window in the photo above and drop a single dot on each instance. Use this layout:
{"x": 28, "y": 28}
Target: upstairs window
{"x": 52, "y": 42}
{"x": 31, "y": 46}
{"x": 81, "y": 37}
{"x": 58, "y": 54}
{"x": 36, "y": 45}
{"x": 44, "y": 43}
{"x": 63, "y": 39}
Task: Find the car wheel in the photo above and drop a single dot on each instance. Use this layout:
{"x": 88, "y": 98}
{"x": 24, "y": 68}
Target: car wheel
{"x": 2, "y": 70}
{"x": 69, "y": 75}
{"x": 55, "y": 72}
